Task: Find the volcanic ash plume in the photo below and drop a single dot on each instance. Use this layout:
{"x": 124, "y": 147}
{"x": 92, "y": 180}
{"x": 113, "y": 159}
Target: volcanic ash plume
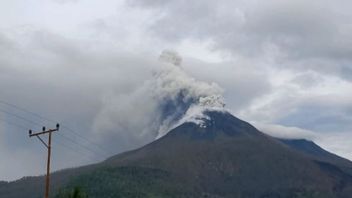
{"x": 180, "y": 97}
{"x": 170, "y": 98}
{"x": 172, "y": 57}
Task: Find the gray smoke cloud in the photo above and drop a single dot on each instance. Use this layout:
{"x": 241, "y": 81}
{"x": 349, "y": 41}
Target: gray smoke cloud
{"x": 170, "y": 56}
{"x": 171, "y": 96}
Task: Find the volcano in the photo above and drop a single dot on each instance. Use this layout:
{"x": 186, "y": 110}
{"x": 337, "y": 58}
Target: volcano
{"x": 220, "y": 156}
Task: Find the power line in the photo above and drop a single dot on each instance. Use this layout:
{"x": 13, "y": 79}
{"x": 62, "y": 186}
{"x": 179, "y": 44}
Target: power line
{"x": 20, "y": 117}
{"x": 74, "y": 150}
{"x": 56, "y": 141}
{"x": 13, "y": 124}
{"x": 83, "y": 146}
{"x": 26, "y": 110}
{"x": 88, "y": 141}
{"x": 50, "y": 120}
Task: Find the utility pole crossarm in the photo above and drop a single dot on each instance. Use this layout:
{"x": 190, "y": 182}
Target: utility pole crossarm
{"x": 48, "y": 146}
{"x": 43, "y": 132}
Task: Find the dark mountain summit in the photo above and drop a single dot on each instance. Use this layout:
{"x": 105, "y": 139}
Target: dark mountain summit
{"x": 226, "y": 156}
{"x": 222, "y": 156}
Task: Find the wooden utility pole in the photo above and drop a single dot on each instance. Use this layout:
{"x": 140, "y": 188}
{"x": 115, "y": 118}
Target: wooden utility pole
{"x": 48, "y": 146}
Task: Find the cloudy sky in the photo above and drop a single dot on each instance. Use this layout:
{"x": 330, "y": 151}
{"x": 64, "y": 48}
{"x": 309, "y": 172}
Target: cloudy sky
{"x": 283, "y": 65}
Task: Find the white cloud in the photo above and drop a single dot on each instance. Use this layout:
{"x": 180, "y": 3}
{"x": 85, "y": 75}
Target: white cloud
{"x": 294, "y": 33}
{"x": 285, "y": 132}
{"x": 335, "y": 142}
{"x": 85, "y": 63}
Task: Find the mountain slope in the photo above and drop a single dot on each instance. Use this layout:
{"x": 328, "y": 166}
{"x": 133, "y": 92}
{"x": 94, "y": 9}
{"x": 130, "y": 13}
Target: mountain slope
{"x": 313, "y": 150}
{"x": 232, "y": 157}
{"x": 222, "y": 157}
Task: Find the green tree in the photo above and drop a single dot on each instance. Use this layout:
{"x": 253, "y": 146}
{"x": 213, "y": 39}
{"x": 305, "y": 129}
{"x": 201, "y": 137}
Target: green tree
{"x": 76, "y": 192}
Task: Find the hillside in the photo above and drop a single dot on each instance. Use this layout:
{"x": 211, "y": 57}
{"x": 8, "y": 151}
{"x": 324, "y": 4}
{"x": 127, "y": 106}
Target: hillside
{"x": 312, "y": 150}
{"x": 223, "y": 157}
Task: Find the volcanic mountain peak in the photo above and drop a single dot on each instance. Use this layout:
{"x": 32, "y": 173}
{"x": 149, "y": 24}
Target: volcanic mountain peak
{"x": 223, "y": 157}
{"x": 212, "y": 122}
{"x": 189, "y": 110}
{"x": 198, "y": 115}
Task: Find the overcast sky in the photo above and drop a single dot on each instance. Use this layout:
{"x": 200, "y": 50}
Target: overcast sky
{"x": 283, "y": 65}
